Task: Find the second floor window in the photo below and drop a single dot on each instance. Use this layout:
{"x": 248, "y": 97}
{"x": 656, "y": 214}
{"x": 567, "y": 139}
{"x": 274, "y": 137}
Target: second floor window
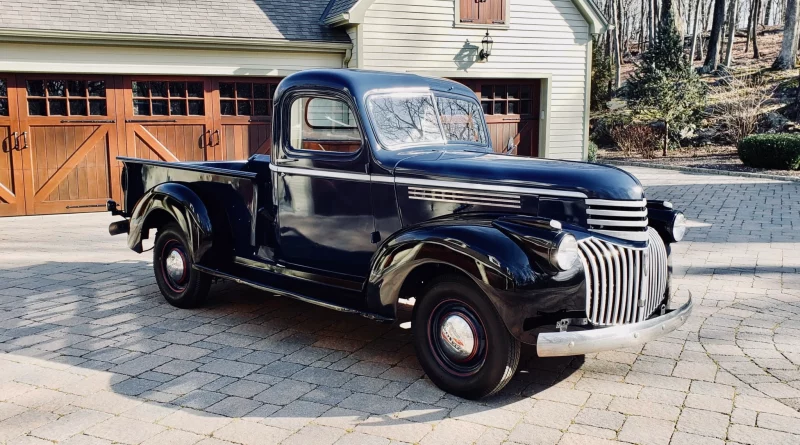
{"x": 482, "y": 12}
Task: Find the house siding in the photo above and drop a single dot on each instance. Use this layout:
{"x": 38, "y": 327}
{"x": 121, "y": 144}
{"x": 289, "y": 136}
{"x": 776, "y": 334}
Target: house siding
{"x": 22, "y": 57}
{"x": 544, "y": 38}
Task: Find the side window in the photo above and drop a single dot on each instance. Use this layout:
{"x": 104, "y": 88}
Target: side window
{"x": 462, "y": 120}
{"x": 323, "y": 124}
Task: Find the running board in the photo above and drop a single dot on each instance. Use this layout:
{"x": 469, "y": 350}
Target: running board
{"x": 285, "y": 293}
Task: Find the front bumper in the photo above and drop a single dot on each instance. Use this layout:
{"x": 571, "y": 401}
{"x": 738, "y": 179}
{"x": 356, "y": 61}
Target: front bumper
{"x": 557, "y": 344}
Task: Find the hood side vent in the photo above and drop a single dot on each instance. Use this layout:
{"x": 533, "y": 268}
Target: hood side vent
{"x": 465, "y": 197}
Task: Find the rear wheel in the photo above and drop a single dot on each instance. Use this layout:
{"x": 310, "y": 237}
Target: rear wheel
{"x": 181, "y": 285}
{"x": 461, "y": 341}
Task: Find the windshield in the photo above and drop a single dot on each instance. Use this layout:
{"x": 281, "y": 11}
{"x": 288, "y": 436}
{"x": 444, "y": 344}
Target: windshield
{"x": 403, "y": 119}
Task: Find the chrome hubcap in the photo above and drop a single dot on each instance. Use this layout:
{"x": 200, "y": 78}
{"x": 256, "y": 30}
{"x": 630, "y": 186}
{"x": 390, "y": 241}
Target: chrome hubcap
{"x": 458, "y": 338}
{"x": 175, "y": 266}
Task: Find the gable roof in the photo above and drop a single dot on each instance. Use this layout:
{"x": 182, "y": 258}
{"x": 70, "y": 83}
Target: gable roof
{"x": 341, "y": 12}
{"x": 295, "y": 20}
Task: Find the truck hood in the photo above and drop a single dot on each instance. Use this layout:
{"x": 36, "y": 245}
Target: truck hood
{"x": 593, "y": 180}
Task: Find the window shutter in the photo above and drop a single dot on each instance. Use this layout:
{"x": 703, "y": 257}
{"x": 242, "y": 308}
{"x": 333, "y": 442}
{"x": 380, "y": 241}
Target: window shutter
{"x": 492, "y": 11}
{"x": 469, "y": 11}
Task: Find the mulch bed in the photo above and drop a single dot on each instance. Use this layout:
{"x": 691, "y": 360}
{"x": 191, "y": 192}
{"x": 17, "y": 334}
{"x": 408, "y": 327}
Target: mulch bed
{"x": 716, "y": 157}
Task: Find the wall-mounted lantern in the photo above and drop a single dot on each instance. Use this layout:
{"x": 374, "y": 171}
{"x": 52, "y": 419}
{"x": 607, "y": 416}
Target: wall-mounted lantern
{"x": 486, "y": 47}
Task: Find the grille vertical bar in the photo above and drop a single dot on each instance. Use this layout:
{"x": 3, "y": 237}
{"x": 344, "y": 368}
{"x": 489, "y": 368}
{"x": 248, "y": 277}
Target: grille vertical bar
{"x": 624, "y": 285}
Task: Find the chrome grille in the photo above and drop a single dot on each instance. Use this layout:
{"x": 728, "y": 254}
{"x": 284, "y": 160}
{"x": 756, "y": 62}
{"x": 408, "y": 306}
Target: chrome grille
{"x": 620, "y": 219}
{"x": 465, "y": 197}
{"x": 623, "y": 284}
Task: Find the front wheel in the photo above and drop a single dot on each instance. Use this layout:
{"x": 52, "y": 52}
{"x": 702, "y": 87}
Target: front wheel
{"x": 461, "y": 341}
{"x": 181, "y": 285}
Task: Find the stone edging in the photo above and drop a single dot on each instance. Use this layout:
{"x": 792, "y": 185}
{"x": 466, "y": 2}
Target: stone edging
{"x": 706, "y": 171}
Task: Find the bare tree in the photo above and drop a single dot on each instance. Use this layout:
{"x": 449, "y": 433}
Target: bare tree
{"x": 614, "y": 4}
{"x": 714, "y": 41}
{"x": 767, "y": 12}
{"x": 787, "y": 57}
{"x": 756, "y": 15}
{"x": 694, "y": 31}
{"x": 747, "y": 33}
{"x": 732, "y": 16}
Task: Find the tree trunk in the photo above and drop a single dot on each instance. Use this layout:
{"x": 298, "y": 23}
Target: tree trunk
{"x": 694, "y": 31}
{"x": 733, "y": 9}
{"x": 767, "y": 12}
{"x": 756, "y": 10}
{"x": 747, "y": 33}
{"x": 615, "y": 49}
{"x": 641, "y": 28}
{"x": 712, "y": 56}
{"x": 666, "y": 138}
{"x": 787, "y": 57}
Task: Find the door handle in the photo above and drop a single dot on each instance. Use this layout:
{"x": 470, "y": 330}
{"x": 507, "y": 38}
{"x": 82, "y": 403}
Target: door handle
{"x": 24, "y": 139}
{"x": 212, "y": 138}
{"x": 13, "y": 141}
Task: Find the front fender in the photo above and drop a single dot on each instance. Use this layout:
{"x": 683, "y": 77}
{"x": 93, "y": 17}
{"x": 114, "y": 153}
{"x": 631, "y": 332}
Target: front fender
{"x": 181, "y": 204}
{"x": 509, "y": 276}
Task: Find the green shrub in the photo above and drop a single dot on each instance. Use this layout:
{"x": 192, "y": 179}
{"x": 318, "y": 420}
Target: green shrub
{"x": 592, "y": 156}
{"x": 775, "y": 151}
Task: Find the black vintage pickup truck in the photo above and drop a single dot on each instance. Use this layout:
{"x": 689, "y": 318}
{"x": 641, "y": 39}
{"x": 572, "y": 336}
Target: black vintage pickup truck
{"x": 383, "y": 187}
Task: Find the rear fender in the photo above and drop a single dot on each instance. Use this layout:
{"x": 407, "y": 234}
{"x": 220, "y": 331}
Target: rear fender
{"x": 177, "y": 202}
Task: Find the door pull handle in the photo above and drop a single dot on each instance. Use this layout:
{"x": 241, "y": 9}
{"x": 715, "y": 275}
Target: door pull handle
{"x": 24, "y": 139}
{"x": 218, "y": 138}
{"x": 13, "y": 142}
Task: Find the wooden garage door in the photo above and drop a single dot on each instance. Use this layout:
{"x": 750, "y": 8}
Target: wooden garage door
{"x": 167, "y": 119}
{"x": 512, "y": 108}
{"x": 243, "y": 114}
{"x": 12, "y": 189}
{"x": 69, "y": 137}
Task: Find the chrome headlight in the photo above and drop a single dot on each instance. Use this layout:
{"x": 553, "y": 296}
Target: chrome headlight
{"x": 678, "y": 227}
{"x": 565, "y": 254}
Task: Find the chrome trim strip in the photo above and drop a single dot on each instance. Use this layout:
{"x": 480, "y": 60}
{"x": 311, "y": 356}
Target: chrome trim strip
{"x": 488, "y": 187}
{"x": 320, "y": 173}
{"x": 557, "y": 344}
{"x": 617, "y": 222}
{"x": 614, "y": 203}
{"x": 428, "y": 182}
{"x": 624, "y": 213}
{"x": 630, "y": 236}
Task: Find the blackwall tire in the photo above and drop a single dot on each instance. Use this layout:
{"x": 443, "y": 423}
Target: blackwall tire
{"x": 181, "y": 285}
{"x": 461, "y": 341}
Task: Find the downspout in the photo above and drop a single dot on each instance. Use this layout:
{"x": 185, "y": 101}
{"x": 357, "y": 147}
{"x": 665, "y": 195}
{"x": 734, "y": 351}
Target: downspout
{"x": 348, "y": 55}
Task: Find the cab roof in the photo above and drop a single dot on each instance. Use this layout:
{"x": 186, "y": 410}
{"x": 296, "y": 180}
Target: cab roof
{"x": 359, "y": 82}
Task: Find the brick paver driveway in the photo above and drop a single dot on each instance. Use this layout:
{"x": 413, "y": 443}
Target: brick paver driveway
{"x": 93, "y": 355}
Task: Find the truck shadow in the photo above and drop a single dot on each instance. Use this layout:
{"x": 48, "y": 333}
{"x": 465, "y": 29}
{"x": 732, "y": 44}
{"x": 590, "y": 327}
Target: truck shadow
{"x": 245, "y": 354}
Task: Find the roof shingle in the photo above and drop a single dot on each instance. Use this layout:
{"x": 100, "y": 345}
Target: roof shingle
{"x": 247, "y": 19}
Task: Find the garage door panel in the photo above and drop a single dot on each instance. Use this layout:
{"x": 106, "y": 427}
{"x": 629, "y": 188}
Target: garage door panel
{"x": 169, "y": 143}
{"x": 12, "y": 185}
{"x": 69, "y": 163}
{"x": 240, "y": 141}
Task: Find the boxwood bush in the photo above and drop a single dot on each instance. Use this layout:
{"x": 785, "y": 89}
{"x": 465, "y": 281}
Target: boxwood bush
{"x": 774, "y": 151}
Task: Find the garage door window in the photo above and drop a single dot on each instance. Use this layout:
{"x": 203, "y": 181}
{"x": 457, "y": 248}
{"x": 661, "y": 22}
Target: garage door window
{"x": 58, "y": 97}
{"x": 506, "y": 99}
{"x": 168, "y": 98}
{"x": 245, "y": 98}
{"x": 3, "y": 97}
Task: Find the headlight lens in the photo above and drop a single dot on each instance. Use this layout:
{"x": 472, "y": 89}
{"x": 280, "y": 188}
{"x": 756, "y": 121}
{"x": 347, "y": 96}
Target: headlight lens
{"x": 678, "y": 227}
{"x": 566, "y": 253}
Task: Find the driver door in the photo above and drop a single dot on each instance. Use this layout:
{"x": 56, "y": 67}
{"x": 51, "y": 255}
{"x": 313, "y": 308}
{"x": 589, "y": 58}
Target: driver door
{"x": 322, "y": 190}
